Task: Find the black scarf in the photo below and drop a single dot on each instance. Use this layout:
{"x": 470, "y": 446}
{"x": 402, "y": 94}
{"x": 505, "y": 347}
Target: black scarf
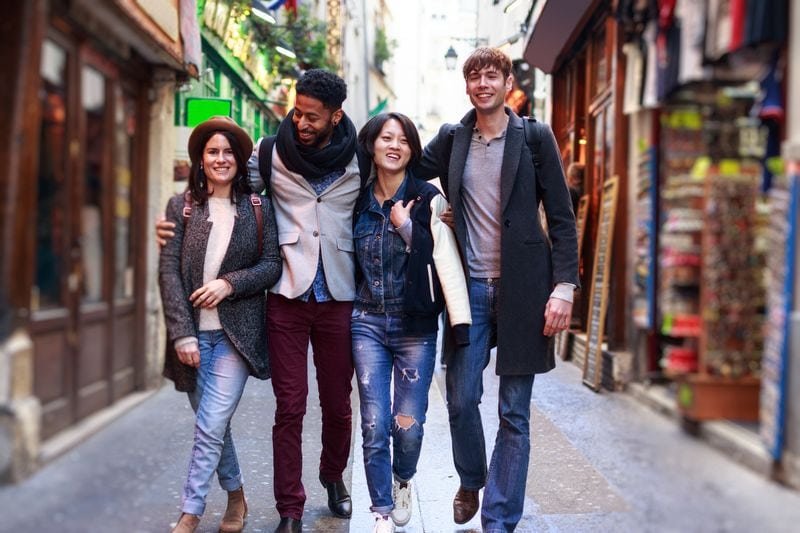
{"x": 312, "y": 162}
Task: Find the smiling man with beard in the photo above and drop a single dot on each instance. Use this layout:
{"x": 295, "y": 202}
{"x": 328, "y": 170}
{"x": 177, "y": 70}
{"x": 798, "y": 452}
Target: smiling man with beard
{"x": 313, "y": 178}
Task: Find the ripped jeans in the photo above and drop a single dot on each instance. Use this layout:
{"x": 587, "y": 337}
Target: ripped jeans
{"x": 381, "y": 349}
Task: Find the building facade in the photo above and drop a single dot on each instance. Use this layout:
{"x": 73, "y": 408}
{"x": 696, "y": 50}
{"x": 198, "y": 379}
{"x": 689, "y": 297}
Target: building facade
{"x": 88, "y": 118}
{"x": 678, "y": 111}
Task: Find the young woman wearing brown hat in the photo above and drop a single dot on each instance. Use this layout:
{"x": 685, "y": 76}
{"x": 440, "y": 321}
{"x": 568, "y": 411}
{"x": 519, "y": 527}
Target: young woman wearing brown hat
{"x": 213, "y": 275}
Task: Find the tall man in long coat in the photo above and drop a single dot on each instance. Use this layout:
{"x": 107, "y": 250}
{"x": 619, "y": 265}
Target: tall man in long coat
{"x": 521, "y": 279}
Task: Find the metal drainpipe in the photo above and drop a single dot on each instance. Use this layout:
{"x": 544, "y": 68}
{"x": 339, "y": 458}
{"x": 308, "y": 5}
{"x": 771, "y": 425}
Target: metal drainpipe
{"x": 366, "y": 57}
{"x": 791, "y": 154}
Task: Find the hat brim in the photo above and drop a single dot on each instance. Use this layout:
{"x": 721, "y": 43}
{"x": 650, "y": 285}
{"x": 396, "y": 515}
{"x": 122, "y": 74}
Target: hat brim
{"x": 201, "y": 132}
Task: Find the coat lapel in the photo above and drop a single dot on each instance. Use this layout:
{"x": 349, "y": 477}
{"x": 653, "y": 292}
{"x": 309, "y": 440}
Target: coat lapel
{"x": 515, "y": 137}
{"x": 237, "y": 245}
{"x": 458, "y": 159}
{"x": 198, "y": 228}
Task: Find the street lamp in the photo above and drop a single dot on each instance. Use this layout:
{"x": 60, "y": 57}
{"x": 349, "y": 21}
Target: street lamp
{"x": 450, "y": 58}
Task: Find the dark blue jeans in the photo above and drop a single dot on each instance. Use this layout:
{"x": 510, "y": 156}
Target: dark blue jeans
{"x": 507, "y": 473}
{"x": 382, "y": 351}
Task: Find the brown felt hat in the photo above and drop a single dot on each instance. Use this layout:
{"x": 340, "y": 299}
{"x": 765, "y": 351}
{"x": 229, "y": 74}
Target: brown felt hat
{"x": 218, "y": 123}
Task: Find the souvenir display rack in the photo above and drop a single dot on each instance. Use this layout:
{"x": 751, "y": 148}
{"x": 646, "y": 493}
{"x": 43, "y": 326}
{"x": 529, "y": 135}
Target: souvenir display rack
{"x": 682, "y": 196}
{"x": 712, "y": 263}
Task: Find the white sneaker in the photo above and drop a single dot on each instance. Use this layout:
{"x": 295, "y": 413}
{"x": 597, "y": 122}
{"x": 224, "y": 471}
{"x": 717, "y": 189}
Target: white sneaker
{"x": 382, "y": 524}
{"x": 401, "y": 514}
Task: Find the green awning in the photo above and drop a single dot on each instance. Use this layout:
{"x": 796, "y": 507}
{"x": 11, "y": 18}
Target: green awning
{"x": 379, "y": 108}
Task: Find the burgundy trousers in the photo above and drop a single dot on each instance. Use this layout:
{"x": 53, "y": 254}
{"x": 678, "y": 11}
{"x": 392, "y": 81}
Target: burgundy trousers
{"x": 291, "y": 324}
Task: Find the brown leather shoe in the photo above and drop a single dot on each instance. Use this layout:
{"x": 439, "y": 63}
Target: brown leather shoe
{"x": 465, "y": 505}
{"x": 235, "y": 513}
{"x": 187, "y": 523}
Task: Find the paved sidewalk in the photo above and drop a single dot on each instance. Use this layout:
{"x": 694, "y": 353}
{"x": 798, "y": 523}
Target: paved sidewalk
{"x": 599, "y": 462}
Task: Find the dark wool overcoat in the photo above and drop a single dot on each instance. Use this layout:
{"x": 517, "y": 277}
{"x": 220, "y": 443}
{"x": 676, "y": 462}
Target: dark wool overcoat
{"x": 243, "y": 313}
{"x": 531, "y": 264}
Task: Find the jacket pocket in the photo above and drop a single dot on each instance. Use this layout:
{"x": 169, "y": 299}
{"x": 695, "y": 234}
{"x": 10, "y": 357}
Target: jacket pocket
{"x": 345, "y": 245}
{"x": 288, "y": 238}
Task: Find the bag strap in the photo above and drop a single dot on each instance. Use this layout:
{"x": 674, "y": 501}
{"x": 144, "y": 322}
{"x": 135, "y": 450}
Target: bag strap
{"x": 187, "y": 206}
{"x": 533, "y": 138}
{"x": 265, "y": 159}
{"x": 255, "y": 201}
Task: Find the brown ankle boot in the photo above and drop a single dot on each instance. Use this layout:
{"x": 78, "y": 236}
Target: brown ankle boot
{"x": 235, "y": 513}
{"x": 187, "y": 523}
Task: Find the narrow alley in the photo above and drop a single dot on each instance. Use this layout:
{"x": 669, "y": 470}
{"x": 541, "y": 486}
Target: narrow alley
{"x": 599, "y": 462}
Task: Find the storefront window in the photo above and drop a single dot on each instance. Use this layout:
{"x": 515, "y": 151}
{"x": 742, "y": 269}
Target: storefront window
{"x": 124, "y": 131}
{"x": 51, "y": 219}
{"x": 599, "y": 61}
{"x": 93, "y": 99}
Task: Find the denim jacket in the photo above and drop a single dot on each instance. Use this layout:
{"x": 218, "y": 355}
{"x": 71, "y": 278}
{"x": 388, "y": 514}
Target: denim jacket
{"x": 417, "y": 278}
{"x": 381, "y": 256}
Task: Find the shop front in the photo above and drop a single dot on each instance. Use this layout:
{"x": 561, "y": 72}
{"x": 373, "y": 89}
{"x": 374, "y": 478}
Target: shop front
{"x": 79, "y": 209}
{"x": 683, "y": 108}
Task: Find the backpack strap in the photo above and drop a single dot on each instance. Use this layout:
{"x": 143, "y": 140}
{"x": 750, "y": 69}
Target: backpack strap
{"x": 533, "y": 138}
{"x": 255, "y": 201}
{"x": 265, "y": 160}
{"x": 187, "y": 206}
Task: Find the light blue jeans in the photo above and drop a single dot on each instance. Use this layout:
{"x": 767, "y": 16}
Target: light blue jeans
{"x": 505, "y": 478}
{"x": 220, "y": 384}
{"x": 382, "y": 350}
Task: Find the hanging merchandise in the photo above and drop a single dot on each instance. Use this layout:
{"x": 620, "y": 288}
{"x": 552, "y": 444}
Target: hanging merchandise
{"x": 681, "y": 196}
{"x": 644, "y": 240}
{"x": 732, "y": 288}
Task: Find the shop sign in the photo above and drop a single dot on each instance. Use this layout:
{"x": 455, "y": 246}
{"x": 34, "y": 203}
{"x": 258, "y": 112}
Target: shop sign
{"x": 201, "y": 109}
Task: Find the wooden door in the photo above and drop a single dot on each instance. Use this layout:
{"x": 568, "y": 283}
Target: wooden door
{"x": 83, "y": 300}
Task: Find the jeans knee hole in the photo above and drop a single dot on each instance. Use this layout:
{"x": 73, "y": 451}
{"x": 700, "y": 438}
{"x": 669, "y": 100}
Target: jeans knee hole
{"x": 410, "y": 374}
{"x": 405, "y": 422}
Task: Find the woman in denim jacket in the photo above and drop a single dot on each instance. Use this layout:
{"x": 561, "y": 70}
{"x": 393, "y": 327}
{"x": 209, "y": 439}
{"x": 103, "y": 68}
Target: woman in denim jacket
{"x": 212, "y": 276}
{"x": 408, "y": 270}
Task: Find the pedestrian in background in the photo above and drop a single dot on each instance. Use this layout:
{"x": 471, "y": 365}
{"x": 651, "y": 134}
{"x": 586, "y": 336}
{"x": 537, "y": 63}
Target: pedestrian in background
{"x": 520, "y": 285}
{"x": 575, "y": 184}
{"x": 408, "y": 267}
{"x": 213, "y": 275}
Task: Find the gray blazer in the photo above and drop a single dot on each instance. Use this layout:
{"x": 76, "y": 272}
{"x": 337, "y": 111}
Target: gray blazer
{"x": 243, "y": 313}
{"x": 531, "y": 262}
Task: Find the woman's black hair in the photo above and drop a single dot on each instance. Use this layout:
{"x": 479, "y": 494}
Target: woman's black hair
{"x": 371, "y": 130}
{"x": 198, "y": 183}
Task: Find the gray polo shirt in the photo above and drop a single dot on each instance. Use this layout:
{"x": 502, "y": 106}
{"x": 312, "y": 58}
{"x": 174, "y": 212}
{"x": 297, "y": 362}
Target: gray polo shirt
{"x": 481, "y": 197}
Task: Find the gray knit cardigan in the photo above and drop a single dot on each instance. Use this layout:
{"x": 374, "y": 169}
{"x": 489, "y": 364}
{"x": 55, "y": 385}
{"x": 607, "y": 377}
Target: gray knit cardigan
{"x": 243, "y": 313}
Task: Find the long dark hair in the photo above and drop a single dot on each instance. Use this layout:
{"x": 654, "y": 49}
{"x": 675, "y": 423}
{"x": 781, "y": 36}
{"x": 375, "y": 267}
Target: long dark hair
{"x": 371, "y": 130}
{"x": 198, "y": 183}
